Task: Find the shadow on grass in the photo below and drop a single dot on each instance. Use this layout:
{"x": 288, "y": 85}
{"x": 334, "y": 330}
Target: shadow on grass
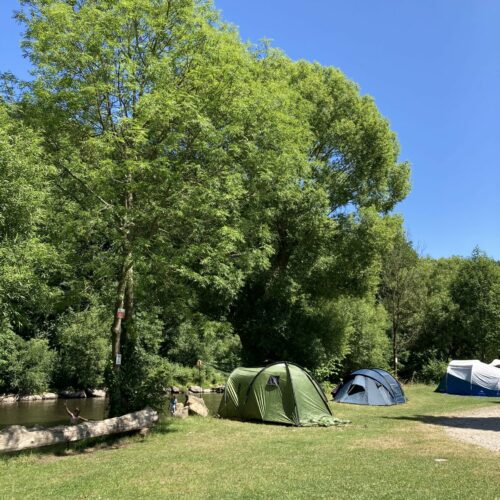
{"x": 90, "y": 445}
{"x": 164, "y": 426}
{"x": 479, "y": 423}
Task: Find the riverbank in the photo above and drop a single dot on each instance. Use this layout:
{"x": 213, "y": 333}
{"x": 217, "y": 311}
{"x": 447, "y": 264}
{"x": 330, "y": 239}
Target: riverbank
{"x": 50, "y": 396}
{"x": 95, "y": 393}
{"x": 389, "y": 452}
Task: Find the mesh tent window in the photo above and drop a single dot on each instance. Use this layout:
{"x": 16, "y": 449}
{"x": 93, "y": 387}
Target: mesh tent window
{"x": 355, "y": 388}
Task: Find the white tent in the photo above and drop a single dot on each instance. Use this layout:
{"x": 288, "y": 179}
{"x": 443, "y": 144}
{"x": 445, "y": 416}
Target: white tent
{"x": 471, "y": 377}
{"x": 496, "y": 363}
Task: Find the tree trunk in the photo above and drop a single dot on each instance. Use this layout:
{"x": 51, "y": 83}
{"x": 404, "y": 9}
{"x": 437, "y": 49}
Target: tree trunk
{"x": 124, "y": 296}
{"x": 395, "y": 350}
{"x": 120, "y": 310}
{"x": 17, "y": 438}
{"x": 119, "y": 402}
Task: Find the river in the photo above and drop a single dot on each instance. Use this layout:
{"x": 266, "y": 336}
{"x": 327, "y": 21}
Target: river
{"x": 52, "y": 412}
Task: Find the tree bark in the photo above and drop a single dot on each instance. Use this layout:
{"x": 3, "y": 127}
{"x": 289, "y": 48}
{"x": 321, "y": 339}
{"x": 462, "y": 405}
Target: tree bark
{"x": 120, "y": 303}
{"x": 395, "y": 350}
{"x": 124, "y": 296}
{"x": 17, "y": 438}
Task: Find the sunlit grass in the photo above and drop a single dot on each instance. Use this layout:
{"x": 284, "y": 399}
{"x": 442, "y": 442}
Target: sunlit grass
{"x": 386, "y": 452}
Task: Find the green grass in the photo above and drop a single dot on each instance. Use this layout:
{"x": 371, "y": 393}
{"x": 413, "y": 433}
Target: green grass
{"x": 385, "y": 453}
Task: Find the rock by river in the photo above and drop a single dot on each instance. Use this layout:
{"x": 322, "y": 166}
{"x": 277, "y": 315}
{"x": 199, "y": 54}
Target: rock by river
{"x": 181, "y": 411}
{"x": 95, "y": 393}
{"x": 32, "y": 397}
{"x": 8, "y": 398}
{"x": 196, "y": 406}
{"x": 72, "y": 394}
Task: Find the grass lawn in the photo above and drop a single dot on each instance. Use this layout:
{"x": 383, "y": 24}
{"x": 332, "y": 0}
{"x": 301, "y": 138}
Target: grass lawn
{"x": 386, "y": 452}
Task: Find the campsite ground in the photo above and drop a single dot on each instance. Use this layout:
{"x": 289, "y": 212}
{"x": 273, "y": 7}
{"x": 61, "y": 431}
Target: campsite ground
{"x": 388, "y": 452}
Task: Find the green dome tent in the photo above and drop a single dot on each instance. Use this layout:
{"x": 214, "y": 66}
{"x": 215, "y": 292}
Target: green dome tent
{"x": 280, "y": 392}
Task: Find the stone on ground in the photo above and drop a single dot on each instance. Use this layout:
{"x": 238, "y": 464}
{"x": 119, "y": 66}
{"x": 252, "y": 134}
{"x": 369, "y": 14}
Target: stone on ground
{"x": 196, "y": 406}
{"x": 181, "y": 411}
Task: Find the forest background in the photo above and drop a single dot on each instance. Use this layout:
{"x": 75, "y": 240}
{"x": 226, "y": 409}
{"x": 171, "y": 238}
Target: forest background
{"x": 170, "y": 194}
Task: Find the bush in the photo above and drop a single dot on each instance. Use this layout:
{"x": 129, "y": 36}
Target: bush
{"x": 144, "y": 375}
{"x": 142, "y": 380}
{"x": 185, "y": 376}
{"x": 8, "y": 345}
{"x": 84, "y": 349}
{"x": 214, "y": 342}
{"x": 328, "y": 370}
{"x": 31, "y": 366}
{"x": 368, "y": 344}
{"x": 433, "y": 371}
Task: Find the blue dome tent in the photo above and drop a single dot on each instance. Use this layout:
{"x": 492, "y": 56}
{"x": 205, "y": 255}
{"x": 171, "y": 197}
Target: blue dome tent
{"x": 370, "y": 386}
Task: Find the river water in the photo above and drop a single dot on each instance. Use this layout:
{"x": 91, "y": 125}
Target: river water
{"x": 52, "y": 412}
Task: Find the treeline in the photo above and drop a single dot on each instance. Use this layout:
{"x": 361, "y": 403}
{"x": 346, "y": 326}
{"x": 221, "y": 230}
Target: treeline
{"x": 170, "y": 194}
{"x": 439, "y": 309}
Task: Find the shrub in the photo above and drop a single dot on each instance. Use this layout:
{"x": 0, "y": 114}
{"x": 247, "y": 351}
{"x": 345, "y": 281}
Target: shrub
{"x": 144, "y": 375}
{"x": 185, "y": 376}
{"x": 433, "y": 371}
{"x": 8, "y": 345}
{"x": 84, "y": 349}
{"x": 142, "y": 380}
{"x": 31, "y": 366}
{"x": 368, "y": 344}
{"x": 214, "y": 342}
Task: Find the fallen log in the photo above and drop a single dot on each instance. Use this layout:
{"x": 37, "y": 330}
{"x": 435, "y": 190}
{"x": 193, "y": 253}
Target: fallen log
{"x": 16, "y": 437}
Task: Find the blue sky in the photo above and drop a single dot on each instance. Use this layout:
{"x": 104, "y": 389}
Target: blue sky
{"x": 433, "y": 68}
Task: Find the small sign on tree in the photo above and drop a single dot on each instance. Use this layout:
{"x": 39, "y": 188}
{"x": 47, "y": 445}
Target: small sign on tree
{"x": 120, "y": 313}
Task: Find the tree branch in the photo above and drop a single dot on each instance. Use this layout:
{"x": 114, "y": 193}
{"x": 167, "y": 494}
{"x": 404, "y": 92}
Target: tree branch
{"x": 86, "y": 187}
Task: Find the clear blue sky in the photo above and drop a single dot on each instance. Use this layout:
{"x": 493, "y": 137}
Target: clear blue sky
{"x": 433, "y": 68}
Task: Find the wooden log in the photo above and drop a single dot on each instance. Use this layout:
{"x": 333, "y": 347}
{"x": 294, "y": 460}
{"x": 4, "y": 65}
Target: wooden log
{"x": 16, "y": 437}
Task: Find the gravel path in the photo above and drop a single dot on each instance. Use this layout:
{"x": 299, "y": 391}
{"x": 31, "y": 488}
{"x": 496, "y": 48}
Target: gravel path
{"x": 480, "y": 427}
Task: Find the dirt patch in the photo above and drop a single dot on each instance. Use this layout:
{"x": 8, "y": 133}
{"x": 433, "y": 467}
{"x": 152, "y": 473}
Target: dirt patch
{"x": 480, "y": 427}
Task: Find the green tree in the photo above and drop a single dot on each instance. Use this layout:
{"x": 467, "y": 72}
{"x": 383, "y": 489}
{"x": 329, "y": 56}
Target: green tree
{"x": 213, "y": 342}
{"x": 28, "y": 262}
{"x": 330, "y": 228}
{"x": 368, "y": 344}
{"x": 171, "y": 145}
{"x": 8, "y": 345}
{"x": 476, "y": 293}
{"x": 402, "y": 293}
{"x": 31, "y": 366}
{"x": 211, "y": 187}
{"x": 433, "y": 324}
{"x": 83, "y": 346}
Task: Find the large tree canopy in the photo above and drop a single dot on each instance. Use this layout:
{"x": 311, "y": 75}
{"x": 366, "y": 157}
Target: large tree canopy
{"x": 330, "y": 231}
{"x": 29, "y": 264}
{"x": 203, "y": 191}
